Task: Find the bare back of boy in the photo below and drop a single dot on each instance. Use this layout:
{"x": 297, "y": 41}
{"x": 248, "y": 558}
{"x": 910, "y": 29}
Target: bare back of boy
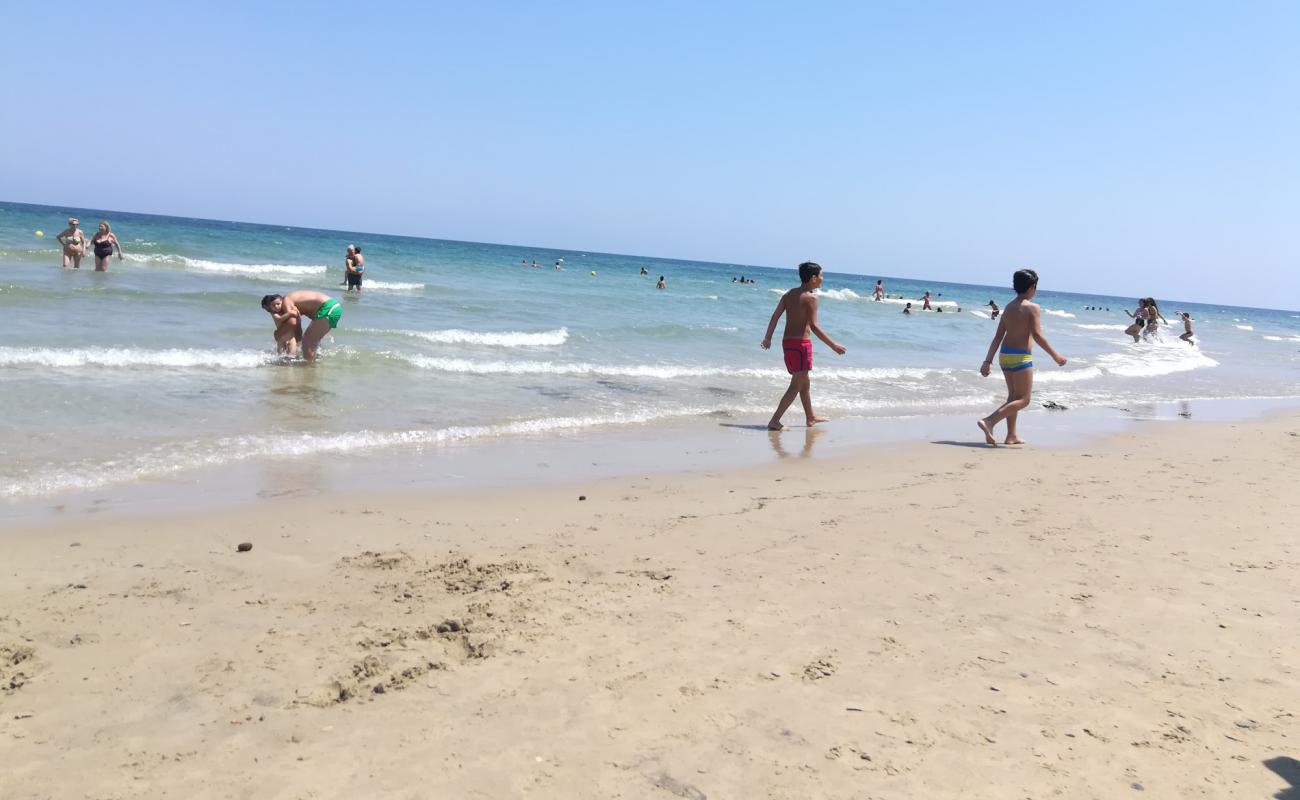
{"x": 306, "y": 302}
{"x": 800, "y": 313}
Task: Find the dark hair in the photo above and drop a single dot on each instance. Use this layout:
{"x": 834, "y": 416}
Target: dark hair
{"x": 269, "y": 299}
{"x": 1024, "y": 280}
{"x": 809, "y": 270}
{"x": 356, "y": 248}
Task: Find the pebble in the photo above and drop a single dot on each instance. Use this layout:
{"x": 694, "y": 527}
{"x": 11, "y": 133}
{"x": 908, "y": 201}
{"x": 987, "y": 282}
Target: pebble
{"x": 582, "y": 497}
{"x": 380, "y": 689}
{"x": 244, "y": 547}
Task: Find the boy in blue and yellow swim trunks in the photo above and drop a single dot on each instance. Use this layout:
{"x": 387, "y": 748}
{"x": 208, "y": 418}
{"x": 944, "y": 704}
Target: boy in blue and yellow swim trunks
{"x": 288, "y": 311}
{"x": 1019, "y": 323}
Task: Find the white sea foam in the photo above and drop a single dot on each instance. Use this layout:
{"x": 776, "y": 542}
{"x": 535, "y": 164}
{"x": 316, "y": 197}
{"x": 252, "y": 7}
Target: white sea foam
{"x": 1090, "y": 326}
{"x": 72, "y": 358}
{"x": 494, "y": 338}
{"x": 654, "y": 371}
{"x": 1282, "y": 338}
{"x": 979, "y": 313}
{"x": 393, "y": 286}
{"x": 1066, "y": 375}
{"x": 225, "y": 268}
{"x": 838, "y": 294}
{"x": 1151, "y": 359}
{"x": 1058, "y": 313}
{"x": 185, "y": 456}
{"x": 916, "y": 304}
{"x": 1244, "y": 327}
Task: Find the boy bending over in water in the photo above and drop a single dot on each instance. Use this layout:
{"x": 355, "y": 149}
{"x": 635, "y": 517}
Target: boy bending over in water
{"x": 288, "y": 310}
{"x": 800, "y": 308}
{"x": 1019, "y": 322}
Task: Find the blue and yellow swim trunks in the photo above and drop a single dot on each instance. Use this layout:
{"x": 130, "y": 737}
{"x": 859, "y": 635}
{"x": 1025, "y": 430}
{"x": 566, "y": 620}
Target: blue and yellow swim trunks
{"x": 330, "y": 310}
{"x": 1013, "y": 359}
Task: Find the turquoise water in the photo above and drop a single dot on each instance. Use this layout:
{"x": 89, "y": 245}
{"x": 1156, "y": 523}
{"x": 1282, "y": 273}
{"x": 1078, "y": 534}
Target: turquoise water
{"x": 165, "y": 364}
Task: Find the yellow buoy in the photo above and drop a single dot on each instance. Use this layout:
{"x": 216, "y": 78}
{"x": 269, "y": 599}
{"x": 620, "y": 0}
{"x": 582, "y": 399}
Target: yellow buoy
{"x": 593, "y": 274}
{"x": 39, "y": 234}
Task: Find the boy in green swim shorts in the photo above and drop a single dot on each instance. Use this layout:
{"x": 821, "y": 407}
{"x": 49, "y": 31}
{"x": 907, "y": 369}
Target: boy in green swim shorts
{"x": 1019, "y": 323}
{"x": 288, "y": 311}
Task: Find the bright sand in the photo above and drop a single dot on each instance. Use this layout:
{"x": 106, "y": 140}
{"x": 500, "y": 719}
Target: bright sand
{"x": 1112, "y": 620}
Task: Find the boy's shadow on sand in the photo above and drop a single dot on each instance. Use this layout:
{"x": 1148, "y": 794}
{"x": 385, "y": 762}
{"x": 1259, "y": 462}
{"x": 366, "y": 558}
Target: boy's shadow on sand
{"x": 1288, "y": 769}
{"x": 977, "y": 445}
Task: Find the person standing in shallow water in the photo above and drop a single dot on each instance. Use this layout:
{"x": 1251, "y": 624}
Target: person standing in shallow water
{"x": 74, "y": 244}
{"x": 1021, "y": 322}
{"x": 288, "y": 310}
{"x": 103, "y": 243}
{"x": 799, "y": 305}
{"x": 354, "y": 265}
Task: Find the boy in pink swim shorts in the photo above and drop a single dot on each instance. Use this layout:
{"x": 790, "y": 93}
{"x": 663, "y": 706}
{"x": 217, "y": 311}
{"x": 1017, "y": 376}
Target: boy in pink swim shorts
{"x": 800, "y": 308}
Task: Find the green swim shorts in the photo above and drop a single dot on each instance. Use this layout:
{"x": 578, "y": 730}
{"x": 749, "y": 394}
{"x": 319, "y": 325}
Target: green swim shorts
{"x": 330, "y": 310}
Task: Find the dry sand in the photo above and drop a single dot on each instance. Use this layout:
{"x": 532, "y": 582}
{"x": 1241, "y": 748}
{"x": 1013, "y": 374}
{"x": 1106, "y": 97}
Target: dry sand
{"x": 1116, "y": 620}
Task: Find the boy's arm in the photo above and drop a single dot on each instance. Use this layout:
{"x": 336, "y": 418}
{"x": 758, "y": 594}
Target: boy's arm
{"x": 771, "y": 324}
{"x": 1037, "y": 332}
{"x": 998, "y": 335}
{"x": 817, "y": 329}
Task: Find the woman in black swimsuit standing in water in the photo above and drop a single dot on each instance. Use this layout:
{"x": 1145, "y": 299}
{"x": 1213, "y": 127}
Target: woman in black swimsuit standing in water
{"x": 103, "y": 243}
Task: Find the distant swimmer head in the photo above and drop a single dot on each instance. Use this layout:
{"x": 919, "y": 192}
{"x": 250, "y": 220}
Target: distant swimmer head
{"x": 1024, "y": 280}
{"x": 273, "y": 303}
{"x": 809, "y": 270}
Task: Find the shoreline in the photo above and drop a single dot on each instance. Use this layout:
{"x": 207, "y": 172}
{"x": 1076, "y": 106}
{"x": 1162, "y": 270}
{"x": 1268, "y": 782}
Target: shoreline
{"x": 910, "y": 621}
{"x": 568, "y": 456}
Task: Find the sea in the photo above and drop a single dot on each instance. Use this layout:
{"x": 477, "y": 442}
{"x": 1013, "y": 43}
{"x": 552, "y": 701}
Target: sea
{"x": 163, "y": 369}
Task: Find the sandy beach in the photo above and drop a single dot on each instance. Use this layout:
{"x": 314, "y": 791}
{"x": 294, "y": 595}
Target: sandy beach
{"x": 921, "y": 621}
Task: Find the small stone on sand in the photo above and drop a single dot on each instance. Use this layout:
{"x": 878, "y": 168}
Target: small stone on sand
{"x": 244, "y": 547}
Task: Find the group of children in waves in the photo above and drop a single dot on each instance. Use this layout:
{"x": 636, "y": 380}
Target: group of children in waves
{"x": 1147, "y": 319}
{"x": 1018, "y": 326}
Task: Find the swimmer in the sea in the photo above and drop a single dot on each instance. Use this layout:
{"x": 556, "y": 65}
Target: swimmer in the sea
{"x": 1021, "y": 323}
{"x": 993, "y": 310}
{"x": 661, "y": 284}
{"x": 800, "y": 308}
{"x": 354, "y": 267}
{"x": 103, "y": 244}
{"x": 925, "y": 302}
{"x": 74, "y": 244}
{"x": 288, "y": 310}
{"x": 907, "y": 309}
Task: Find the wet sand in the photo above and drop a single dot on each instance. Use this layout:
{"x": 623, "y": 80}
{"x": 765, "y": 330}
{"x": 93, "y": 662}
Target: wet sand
{"x": 935, "y": 620}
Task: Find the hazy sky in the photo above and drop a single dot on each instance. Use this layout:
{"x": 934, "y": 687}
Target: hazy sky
{"x": 1134, "y": 148}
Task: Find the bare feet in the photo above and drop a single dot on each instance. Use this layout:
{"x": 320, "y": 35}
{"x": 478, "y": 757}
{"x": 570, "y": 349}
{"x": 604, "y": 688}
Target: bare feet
{"x": 814, "y": 420}
{"x": 775, "y": 426}
{"x": 988, "y": 434}
{"x": 1014, "y": 440}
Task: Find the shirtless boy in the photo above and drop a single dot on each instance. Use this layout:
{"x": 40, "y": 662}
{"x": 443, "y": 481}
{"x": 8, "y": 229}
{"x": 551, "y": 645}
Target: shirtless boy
{"x": 288, "y": 311}
{"x": 800, "y": 308}
{"x": 1019, "y": 322}
{"x": 1187, "y": 327}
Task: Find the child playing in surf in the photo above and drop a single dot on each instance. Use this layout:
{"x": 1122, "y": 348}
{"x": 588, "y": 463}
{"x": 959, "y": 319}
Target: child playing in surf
{"x": 800, "y": 308}
{"x": 288, "y": 310}
{"x": 1019, "y": 322}
{"x": 1187, "y": 327}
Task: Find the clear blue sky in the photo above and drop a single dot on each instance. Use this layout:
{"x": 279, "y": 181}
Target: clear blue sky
{"x": 1135, "y": 148}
